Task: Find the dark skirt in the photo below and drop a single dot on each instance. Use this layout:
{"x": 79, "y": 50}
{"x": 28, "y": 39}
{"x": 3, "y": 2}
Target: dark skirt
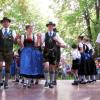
{"x": 87, "y": 65}
{"x": 92, "y": 68}
{"x": 84, "y": 64}
{"x": 75, "y": 64}
{"x": 31, "y": 63}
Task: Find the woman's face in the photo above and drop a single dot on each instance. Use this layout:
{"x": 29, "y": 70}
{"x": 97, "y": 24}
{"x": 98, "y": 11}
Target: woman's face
{"x": 30, "y": 30}
{"x": 79, "y": 40}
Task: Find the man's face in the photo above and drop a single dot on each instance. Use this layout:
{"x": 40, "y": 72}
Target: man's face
{"x": 50, "y": 27}
{"x": 5, "y": 23}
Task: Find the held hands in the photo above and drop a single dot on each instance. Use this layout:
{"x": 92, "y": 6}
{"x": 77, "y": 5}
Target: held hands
{"x": 18, "y": 36}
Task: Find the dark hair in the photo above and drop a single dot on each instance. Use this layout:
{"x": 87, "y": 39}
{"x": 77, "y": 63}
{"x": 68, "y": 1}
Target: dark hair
{"x": 55, "y": 30}
{"x": 81, "y": 37}
{"x": 28, "y": 26}
{"x": 74, "y": 46}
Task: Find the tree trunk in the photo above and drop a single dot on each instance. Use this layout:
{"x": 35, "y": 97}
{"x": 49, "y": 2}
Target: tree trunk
{"x": 97, "y": 26}
{"x": 87, "y": 19}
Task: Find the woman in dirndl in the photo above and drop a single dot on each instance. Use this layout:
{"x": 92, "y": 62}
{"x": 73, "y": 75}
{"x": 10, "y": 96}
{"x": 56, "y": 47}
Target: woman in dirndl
{"x": 31, "y": 57}
{"x": 82, "y": 71}
{"x": 91, "y": 63}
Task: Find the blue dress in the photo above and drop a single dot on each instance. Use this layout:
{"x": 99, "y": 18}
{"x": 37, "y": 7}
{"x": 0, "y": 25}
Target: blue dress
{"x": 31, "y": 61}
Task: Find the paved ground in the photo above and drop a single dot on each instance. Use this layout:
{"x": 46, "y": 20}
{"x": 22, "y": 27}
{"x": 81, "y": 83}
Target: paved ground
{"x": 63, "y": 91}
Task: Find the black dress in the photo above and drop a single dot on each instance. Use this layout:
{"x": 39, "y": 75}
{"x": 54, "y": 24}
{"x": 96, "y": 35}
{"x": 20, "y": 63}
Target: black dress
{"x": 87, "y": 64}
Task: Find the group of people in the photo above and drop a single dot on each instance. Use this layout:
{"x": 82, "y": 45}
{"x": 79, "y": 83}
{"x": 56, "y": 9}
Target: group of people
{"x": 83, "y": 64}
{"x": 39, "y": 54}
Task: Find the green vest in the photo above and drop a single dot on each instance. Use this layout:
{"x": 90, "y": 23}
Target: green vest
{"x": 49, "y": 42}
{"x": 6, "y": 43}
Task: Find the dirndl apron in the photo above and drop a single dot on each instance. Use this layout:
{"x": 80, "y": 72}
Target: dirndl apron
{"x": 84, "y": 68}
{"x": 31, "y": 64}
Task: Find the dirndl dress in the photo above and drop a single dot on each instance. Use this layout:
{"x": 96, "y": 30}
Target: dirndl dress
{"x": 85, "y": 61}
{"x": 87, "y": 65}
{"x": 92, "y": 63}
{"x": 31, "y": 61}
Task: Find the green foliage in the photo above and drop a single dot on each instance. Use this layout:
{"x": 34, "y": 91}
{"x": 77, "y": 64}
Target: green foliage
{"x": 71, "y": 22}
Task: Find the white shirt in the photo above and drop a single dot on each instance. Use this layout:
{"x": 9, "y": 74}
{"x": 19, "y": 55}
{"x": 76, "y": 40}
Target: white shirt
{"x": 75, "y": 54}
{"x": 57, "y": 37}
{"x": 80, "y": 45}
{"x": 8, "y": 29}
{"x": 98, "y": 38}
{"x": 90, "y": 47}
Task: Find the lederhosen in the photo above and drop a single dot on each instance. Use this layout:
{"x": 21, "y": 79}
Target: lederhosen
{"x": 58, "y": 54}
{"x": 50, "y": 50}
{"x": 6, "y": 47}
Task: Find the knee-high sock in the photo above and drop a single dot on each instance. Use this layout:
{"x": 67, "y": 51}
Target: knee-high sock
{"x": 81, "y": 78}
{"x": 46, "y": 75}
{"x": 93, "y": 77}
{"x": 1, "y": 77}
{"x": 75, "y": 77}
{"x": 17, "y": 75}
{"x": 7, "y": 77}
{"x": 84, "y": 78}
{"x": 52, "y": 76}
{"x": 88, "y": 78}
{"x": 55, "y": 75}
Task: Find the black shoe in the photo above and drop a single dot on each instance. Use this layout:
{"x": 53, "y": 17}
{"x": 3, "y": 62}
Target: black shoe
{"x": 50, "y": 86}
{"x": 32, "y": 81}
{"x": 46, "y": 84}
{"x": 90, "y": 81}
{"x": 54, "y": 83}
{"x": 75, "y": 83}
{"x": 83, "y": 82}
{"x": 37, "y": 82}
{"x": 6, "y": 85}
{"x": 29, "y": 86}
{"x": 1, "y": 84}
{"x": 22, "y": 81}
{"x": 17, "y": 80}
{"x": 93, "y": 81}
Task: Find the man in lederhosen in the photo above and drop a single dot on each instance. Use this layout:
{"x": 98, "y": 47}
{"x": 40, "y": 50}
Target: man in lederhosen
{"x": 7, "y": 38}
{"x": 52, "y": 40}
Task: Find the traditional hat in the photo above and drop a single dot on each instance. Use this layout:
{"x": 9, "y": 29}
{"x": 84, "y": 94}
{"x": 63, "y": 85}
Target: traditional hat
{"x": 50, "y": 23}
{"x": 5, "y": 19}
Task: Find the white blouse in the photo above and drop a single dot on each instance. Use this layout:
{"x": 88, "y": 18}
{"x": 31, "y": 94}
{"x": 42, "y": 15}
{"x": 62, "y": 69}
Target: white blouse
{"x": 75, "y": 54}
{"x": 98, "y": 39}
